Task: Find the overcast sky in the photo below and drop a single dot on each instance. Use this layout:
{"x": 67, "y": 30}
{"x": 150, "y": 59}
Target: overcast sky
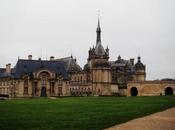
{"x": 61, "y": 27}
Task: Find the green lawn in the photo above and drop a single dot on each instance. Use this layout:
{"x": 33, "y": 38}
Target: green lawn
{"x": 77, "y": 113}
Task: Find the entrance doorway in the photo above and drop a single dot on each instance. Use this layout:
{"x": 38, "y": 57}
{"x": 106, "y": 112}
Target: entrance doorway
{"x": 43, "y": 91}
{"x": 168, "y": 91}
{"x": 134, "y": 91}
{"x": 44, "y": 84}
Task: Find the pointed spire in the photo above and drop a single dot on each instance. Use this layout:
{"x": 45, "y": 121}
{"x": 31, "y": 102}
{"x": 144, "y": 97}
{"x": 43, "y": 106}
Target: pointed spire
{"x": 98, "y": 26}
{"x": 98, "y": 32}
{"x": 98, "y": 23}
{"x": 107, "y": 48}
{"x": 99, "y": 49}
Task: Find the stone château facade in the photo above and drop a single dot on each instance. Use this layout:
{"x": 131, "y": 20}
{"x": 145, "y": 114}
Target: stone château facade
{"x": 64, "y": 77}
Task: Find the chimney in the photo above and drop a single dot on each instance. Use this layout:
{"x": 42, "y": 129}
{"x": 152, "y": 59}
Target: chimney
{"x": 51, "y": 58}
{"x": 8, "y": 68}
{"x": 132, "y": 61}
{"x": 29, "y": 57}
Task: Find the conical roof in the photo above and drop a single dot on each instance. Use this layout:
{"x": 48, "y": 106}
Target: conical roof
{"x": 99, "y": 49}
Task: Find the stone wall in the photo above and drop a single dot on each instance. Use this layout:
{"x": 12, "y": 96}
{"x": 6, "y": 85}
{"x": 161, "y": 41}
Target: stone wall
{"x": 151, "y": 88}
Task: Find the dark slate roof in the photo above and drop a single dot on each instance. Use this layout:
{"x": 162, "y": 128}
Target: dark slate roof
{"x": 87, "y": 67}
{"x": 139, "y": 66}
{"x": 2, "y": 71}
{"x": 121, "y": 63}
{"x": 29, "y": 66}
{"x": 70, "y": 64}
{"x": 99, "y": 50}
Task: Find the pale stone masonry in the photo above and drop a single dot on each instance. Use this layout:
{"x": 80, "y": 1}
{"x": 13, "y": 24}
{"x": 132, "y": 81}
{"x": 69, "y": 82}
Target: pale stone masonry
{"x": 64, "y": 77}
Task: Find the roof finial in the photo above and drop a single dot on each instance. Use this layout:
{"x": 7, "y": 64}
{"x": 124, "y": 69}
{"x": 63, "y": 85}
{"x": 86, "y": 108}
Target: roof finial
{"x": 139, "y": 58}
{"x": 98, "y": 11}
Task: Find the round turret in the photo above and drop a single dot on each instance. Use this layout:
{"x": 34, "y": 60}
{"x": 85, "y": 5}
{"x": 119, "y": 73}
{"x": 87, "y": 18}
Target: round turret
{"x": 139, "y": 65}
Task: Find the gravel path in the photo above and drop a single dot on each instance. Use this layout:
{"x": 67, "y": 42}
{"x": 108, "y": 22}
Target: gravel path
{"x": 159, "y": 121}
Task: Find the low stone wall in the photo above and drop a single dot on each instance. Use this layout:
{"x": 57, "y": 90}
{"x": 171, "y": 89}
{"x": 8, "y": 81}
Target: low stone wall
{"x": 151, "y": 88}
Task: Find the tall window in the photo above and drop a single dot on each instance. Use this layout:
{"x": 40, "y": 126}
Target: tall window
{"x": 81, "y": 79}
{"x": 59, "y": 90}
{"x": 52, "y": 88}
{"x": 44, "y": 76}
{"x": 35, "y": 88}
{"x": 26, "y": 86}
{"x": 43, "y": 82}
{"x": 98, "y": 91}
{"x": 78, "y": 79}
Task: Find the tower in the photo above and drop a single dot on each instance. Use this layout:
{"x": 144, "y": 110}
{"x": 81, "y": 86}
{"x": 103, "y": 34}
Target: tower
{"x": 140, "y": 70}
{"x": 99, "y": 66}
